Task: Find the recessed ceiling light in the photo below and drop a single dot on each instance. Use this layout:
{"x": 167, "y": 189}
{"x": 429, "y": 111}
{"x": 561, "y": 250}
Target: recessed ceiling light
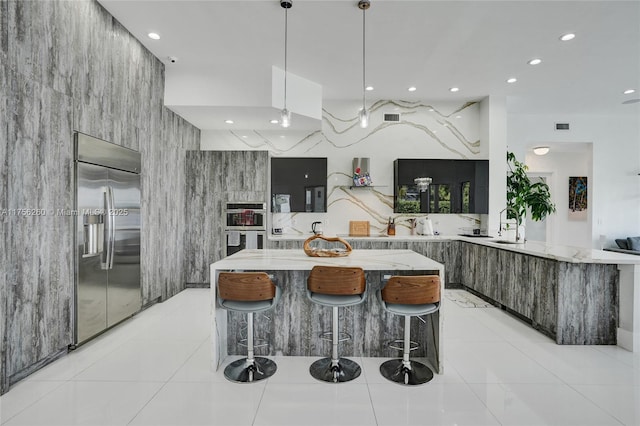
{"x": 274, "y": 122}
{"x": 228, "y": 121}
{"x": 567, "y": 37}
{"x": 535, "y": 61}
{"x": 431, "y": 109}
{"x": 454, "y": 89}
{"x": 244, "y": 136}
{"x": 458, "y": 116}
{"x": 154, "y": 36}
{"x": 412, "y": 89}
{"x": 512, "y": 80}
{"x": 369, "y": 88}
{"x": 629, "y": 91}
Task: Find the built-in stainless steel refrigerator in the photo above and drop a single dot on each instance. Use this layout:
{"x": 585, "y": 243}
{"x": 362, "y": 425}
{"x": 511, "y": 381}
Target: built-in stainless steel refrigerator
{"x": 107, "y": 280}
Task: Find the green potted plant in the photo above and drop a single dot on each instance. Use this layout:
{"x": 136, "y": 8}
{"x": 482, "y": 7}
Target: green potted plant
{"x": 523, "y": 194}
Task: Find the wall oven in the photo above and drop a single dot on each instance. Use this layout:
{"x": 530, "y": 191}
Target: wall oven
{"x": 245, "y": 226}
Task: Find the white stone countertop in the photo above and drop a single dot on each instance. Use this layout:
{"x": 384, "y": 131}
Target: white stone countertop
{"x": 533, "y": 248}
{"x": 297, "y": 260}
{"x": 558, "y": 252}
{"x": 380, "y": 237}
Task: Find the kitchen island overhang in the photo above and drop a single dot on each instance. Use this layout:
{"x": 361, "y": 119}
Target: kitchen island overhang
{"x": 293, "y": 327}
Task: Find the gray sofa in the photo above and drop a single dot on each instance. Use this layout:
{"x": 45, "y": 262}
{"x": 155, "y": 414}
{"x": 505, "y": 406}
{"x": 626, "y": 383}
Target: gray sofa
{"x": 630, "y": 245}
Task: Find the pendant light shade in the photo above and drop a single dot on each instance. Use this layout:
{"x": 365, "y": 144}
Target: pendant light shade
{"x": 364, "y": 114}
{"x": 285, "y": 118}
{"x": 364, "y": 118}
{"x": 285, "y": 114}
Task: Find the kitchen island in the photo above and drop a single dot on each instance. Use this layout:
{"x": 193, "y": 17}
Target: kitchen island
{"x": 294, "y": 326}
{"x": 573, "y": 295}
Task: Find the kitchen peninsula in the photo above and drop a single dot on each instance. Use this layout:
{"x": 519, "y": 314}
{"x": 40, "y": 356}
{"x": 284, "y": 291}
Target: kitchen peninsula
{"x": 573, "y": 295}
{"x": 295, "y": 323}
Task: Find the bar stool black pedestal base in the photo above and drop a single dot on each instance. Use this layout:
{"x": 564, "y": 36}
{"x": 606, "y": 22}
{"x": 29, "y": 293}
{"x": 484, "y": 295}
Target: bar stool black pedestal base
{"x": 394, "y": 370}
{"x": 347, "y": 370}
{"x": 239, "y": 372}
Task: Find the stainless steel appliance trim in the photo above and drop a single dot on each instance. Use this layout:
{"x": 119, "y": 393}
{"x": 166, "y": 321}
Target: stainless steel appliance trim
{"x": 96, "y": 151}
{"x": 242, "y": 245}
{"x": 246, "y": 228}
{"x": 246, "y": 205}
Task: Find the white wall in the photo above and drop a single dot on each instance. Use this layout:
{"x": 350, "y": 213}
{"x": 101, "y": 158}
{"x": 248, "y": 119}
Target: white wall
{"x": 494, "y": 132}
{"x": 561, "y": 165}
{"x": 614, "y": 187}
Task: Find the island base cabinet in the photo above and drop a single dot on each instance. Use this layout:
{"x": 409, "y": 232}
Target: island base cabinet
{"x": 587, "y": 304}
{"x": 543, "y": 283}
{"x": 573, "y": 303}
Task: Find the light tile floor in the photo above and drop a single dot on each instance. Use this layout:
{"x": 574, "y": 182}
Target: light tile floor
{"x": 154, "y": 370}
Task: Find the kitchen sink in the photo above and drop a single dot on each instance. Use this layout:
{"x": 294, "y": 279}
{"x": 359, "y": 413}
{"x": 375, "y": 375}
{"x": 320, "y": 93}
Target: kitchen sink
{"x": 507, "y": 242}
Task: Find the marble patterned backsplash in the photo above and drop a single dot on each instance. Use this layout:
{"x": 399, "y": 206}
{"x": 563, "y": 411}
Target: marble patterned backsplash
{"x": 425, "y": 130}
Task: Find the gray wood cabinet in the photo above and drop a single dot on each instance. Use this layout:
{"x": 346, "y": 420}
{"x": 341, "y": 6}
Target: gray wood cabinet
{"x": 573, "y": 303}
{"x": 213, "y": 179}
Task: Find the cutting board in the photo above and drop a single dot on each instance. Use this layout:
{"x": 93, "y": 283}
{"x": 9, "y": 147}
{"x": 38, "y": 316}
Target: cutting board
{"x": 359, "y": 228}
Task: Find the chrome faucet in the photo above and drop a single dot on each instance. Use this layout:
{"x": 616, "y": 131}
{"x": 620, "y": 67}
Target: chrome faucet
{"x": 515, "y": 212}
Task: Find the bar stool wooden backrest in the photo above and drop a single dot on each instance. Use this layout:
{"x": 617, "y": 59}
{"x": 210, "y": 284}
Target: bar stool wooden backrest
{"x": 412, "y": 290}
{"x": 336, "y": 280}
{"x": 245, "y": 286}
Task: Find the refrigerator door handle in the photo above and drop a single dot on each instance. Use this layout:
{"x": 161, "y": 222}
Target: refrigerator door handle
{"x": 106, "y": 243}
{"x": 112, "y": 228}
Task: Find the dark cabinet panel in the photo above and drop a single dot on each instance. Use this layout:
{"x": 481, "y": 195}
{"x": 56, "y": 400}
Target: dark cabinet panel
{"x": 457, "y": 186}
{"x": 298, "y": 185}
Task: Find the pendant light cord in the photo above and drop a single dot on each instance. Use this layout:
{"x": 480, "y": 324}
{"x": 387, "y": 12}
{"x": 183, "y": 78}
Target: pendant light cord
{"x": 285, "y": 56}
{"x": 363, "y": 60}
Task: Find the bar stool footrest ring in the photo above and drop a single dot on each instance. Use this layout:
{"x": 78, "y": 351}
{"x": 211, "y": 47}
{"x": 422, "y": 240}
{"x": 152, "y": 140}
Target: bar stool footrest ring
{"x": 257, "y": 343}
{"x": 399, "y": 345}
{"x": 342, "y": 336}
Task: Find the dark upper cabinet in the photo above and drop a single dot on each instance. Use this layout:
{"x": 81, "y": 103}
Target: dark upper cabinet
{"x": 298, "y": 184}
{"x": 457, "y": 186}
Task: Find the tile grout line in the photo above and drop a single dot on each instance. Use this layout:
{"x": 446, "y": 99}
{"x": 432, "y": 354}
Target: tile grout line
{"x": 165, "y": 383}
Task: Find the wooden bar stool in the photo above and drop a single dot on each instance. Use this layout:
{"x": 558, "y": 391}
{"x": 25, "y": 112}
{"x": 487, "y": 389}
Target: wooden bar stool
{"x": 409, "y": 296}
{"x": 248, "y": 292}
{"x": 335, "y": 286}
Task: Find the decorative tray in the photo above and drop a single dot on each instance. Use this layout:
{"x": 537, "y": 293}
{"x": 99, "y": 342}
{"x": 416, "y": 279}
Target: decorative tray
{"x": 317, "y": 252}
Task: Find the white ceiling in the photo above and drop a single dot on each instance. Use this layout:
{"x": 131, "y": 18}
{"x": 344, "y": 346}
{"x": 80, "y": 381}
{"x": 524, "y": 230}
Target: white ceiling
{"x": 225, "y": 51}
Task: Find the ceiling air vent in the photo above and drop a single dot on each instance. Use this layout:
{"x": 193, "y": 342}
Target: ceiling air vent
{"x": 391, "y": 118}
{"x": 562, "y": 126}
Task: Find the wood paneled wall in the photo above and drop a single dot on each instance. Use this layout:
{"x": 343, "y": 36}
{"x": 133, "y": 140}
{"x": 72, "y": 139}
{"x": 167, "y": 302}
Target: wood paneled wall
{"x": 66, "y": 66}
{"x": 213, "y": 179}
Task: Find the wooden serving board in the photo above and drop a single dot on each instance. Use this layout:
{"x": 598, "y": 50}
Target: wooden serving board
{"x": 359, "y": 228}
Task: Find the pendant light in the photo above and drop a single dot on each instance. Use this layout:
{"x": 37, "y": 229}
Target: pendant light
{"x": 364, "y": 114}
{"x": 285, "y": 114}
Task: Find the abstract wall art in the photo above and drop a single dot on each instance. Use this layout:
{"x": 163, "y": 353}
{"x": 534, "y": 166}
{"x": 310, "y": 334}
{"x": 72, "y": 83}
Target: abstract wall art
{"x": 578, "y": 198}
